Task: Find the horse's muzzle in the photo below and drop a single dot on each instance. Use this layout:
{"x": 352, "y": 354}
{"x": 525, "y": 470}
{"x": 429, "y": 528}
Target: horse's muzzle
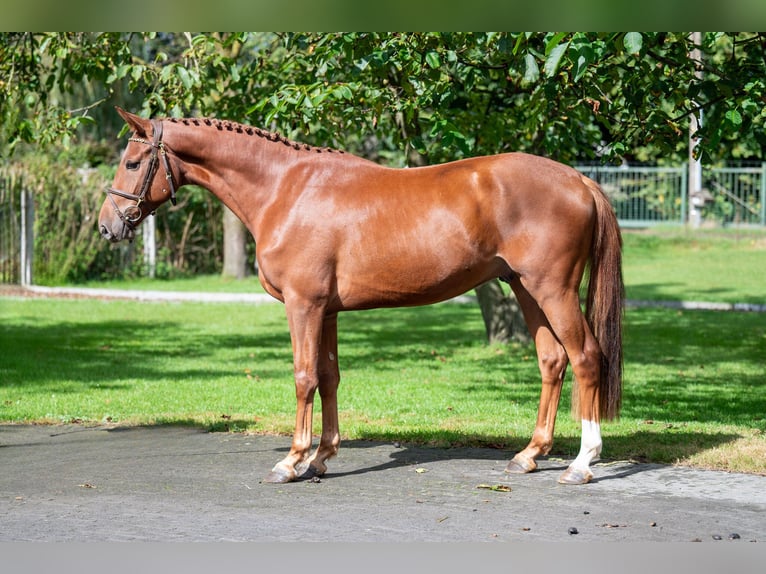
{"x": 110, "y": 234}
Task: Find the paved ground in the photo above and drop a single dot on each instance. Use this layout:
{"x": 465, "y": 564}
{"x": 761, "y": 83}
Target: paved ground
{"x": 74, "y": 483}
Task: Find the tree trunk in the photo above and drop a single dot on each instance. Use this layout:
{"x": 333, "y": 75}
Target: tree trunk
{"x": 234, "y": 231}
{"x": 234, "y": 246}
{"x": 502, "y": 315}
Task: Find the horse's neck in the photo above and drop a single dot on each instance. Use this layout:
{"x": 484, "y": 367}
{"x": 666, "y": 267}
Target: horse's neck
{"x": 241, "y": 170}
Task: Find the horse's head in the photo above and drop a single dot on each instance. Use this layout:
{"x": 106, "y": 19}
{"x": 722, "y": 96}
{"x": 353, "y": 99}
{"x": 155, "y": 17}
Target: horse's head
{"x": 143, "y": 182}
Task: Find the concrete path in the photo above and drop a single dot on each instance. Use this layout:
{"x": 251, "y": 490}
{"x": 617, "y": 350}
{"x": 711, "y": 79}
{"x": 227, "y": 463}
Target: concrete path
{"x": 75, "y": 483}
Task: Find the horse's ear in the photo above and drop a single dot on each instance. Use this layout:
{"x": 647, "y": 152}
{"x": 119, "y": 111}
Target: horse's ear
{"x": 136, "y": 123}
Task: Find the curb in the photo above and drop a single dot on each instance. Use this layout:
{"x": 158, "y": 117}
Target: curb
{"x": 253, "y": 298}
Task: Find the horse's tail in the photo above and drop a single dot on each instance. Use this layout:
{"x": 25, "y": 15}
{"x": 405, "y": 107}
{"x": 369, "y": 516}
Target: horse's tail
{"x": 604, "y": 306}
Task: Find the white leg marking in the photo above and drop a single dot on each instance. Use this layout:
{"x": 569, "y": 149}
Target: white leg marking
{"x": 590, "y": 445}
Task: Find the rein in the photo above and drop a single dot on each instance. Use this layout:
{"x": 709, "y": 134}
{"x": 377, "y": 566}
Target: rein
{"x": 132, "y": 214}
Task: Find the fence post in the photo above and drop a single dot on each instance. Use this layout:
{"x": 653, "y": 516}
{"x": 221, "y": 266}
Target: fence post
{"x": 150, "y": 246}
{"x": 27, "y": 236}
{"x": 695, "y": 123}
{"x": 684, "y": 192}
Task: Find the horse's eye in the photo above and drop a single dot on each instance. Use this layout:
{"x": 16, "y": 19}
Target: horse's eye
{"x": 132, "y": 165}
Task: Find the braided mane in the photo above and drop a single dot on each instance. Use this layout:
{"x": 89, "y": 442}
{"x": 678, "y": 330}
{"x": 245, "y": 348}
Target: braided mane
{"x": 227, "y": 125}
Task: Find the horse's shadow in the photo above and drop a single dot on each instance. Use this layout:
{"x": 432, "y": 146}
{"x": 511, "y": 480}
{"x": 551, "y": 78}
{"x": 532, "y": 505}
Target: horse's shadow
{"x": 404, "y": 455}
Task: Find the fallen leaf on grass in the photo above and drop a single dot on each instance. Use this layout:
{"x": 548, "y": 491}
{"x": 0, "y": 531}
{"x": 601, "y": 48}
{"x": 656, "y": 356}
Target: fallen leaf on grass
{"x": 495, "y": 487}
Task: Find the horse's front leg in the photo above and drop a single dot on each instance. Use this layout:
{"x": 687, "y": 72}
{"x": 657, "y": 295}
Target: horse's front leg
{"x": 329, "y": 378}
{"x": 306, "y": 332}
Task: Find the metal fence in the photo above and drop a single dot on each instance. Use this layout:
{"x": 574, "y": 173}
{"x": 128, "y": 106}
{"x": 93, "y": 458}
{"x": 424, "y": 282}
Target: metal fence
{"x": 647, "y": 196}
{"x": 643, "y": 196}
{"x": 735, "y": 196}
{"x": 17, "y": 218}
{"x": 10, "y": 231}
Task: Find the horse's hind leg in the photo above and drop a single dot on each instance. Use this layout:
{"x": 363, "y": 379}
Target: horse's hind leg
{"x": 552, "y": 361}
{"x": 571, "y": 329}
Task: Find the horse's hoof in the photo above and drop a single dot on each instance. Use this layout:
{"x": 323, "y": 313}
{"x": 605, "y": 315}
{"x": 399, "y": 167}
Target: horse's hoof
{"x": 312, "y": 472}
{"x": 575, "y": 476}
{"x": 279, "y": 476}
{"x": 520, "y": 465}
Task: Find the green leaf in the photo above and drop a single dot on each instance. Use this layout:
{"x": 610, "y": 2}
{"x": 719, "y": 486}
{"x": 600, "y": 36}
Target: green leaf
{"x": 119, "y": 73}
{"x": 553, "y": 42}
{"x": 618, "y": 148}
{"x": 531, "y": 70}
{"x": 418, "y": 143}
{"x": 734, "y": 118}
{"x": 520, "y": 38}
{"x": 166, "y": 73}
{"x": 136, "y": 72}
{"x": 584, "y": 58}
{"x": 553, "y": 60}
{"x": 343, "y": 92}
{"x": 433, "y": 60}
{"x": 183, "y": 74}
{"x": 633, "y": 42}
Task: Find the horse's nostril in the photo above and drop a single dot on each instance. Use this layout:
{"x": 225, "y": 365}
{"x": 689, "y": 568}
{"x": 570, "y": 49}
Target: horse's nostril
{"x": 105, "y": 232}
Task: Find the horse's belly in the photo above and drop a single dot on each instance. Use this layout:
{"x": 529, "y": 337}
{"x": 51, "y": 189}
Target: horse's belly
{"x": 406, "y": 280}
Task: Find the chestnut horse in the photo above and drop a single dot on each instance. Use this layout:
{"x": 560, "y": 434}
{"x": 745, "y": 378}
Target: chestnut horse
{"x": 335, "y": 232}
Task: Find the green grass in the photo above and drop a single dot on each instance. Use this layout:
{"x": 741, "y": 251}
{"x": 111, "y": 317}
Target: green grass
{"x": 677, "y": 265}
{"x": 201, "y": 283}
{"x": 693, "y": 381}
{"x": 695, "y": 388}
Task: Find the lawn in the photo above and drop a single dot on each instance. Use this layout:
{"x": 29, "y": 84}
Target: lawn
{"x": 723, "y": 266}
{"x": 695, "y": 389}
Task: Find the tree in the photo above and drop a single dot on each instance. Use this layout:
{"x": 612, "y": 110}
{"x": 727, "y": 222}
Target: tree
{"x": 445, "y": 95}
{"x": 420, "y": 97}
{"x": 570, "y": 96}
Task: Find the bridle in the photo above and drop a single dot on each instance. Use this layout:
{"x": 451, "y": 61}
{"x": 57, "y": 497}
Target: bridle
{"x": 133, "y": 213}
